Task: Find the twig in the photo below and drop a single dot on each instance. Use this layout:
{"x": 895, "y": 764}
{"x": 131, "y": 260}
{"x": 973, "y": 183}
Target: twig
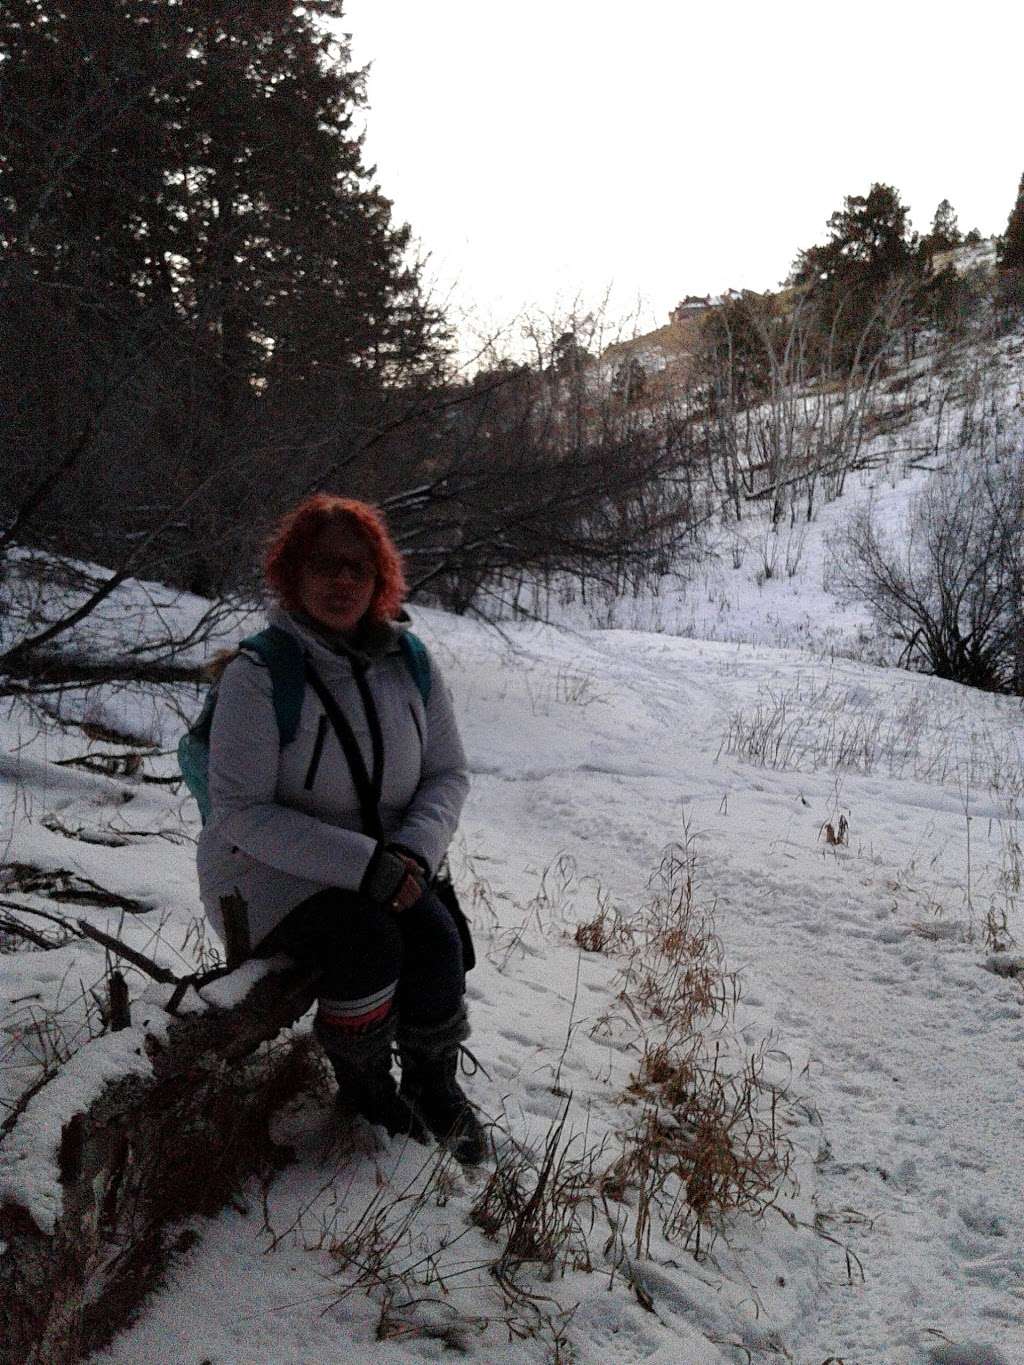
{"x": 41, "y": 914}
{"x": 22, "y": 1102}
{"x": 140, "y": 960}
{"x": 556, "y": 1088}
{"x": 9, "y": 926}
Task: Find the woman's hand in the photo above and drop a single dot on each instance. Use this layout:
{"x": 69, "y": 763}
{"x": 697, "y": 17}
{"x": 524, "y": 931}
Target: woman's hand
{"x": 412, "y": 886}
{"x": 393, "y": 880}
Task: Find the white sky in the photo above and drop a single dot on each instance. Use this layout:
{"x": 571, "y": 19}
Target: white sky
{"x": 555, "y": 148}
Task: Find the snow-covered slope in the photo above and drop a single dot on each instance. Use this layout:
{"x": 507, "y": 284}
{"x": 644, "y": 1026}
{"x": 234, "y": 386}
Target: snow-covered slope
{"x": 896, "y": 1054}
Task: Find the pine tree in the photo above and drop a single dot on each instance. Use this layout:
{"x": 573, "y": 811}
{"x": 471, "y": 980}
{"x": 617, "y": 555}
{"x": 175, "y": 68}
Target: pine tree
{"x": 870, "y": 248}
{"x": 945, "y": 231}
{"x": 870, "y": 233}
{"x": 1011, "y": 253}
{"x": 198, "y": 273}
{"x": 202, "y": 158}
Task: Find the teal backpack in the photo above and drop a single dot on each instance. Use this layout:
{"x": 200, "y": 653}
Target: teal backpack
{"x": 286, "y": 660}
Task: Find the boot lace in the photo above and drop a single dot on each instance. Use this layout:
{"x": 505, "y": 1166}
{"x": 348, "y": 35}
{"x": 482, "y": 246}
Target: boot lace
{"x": 470, "y": 1063}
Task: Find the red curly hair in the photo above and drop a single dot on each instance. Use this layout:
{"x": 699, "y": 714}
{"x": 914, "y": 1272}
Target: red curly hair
{"x": 294, "y": 536}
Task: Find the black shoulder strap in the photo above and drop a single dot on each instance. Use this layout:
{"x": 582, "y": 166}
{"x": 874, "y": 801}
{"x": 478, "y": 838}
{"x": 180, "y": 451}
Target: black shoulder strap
{"x": 368, "y": 799}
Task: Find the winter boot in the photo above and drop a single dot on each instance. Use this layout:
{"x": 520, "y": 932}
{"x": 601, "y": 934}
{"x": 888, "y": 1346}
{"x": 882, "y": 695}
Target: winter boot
{"x": 430, "y": 1062}
{"x": 362, "y": 1066}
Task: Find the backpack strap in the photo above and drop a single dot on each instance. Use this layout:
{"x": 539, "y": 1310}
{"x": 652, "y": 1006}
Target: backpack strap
{"x": 367, "y": 785}
{"x": 417, "y": 661}
{"x": 367, "y": 792}
{"x": 284, "y": 657}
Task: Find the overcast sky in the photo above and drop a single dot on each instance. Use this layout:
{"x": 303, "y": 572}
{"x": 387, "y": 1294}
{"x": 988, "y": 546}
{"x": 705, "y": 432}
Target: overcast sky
{"x": 553, "y": 148}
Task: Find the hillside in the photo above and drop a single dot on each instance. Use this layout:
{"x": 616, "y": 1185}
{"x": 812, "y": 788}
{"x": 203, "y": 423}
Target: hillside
{"x": 848, "y": 832}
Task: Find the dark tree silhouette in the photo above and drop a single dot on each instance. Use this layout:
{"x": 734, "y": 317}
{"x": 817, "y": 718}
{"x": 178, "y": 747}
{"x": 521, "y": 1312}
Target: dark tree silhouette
{"x": 208, "y": 295}
{"x": 870, "y": 247}
{"x": 1011, "y": 252}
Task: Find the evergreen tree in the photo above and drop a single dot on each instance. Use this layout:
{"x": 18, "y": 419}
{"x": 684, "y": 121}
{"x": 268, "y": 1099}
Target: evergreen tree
{"x": 1011, "y": 252}
{"x": 188, "y": 223}
{"x": 869, "y": 241}
{"x": 202, "y": 158}
{"x": 945, "y": 231}
{"x": 869, "y": 249}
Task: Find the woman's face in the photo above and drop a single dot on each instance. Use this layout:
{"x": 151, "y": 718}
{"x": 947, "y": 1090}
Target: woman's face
{"x": 338, "y": 578}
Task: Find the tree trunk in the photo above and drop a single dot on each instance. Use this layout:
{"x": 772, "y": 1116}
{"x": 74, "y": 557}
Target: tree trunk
{"x": 151, "y": 1148}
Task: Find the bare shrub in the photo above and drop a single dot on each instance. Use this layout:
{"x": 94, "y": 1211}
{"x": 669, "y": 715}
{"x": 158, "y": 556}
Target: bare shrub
{"x": 768, "y": 553}
{"x": 787, "y": 395}
{"x": 795, "y": 542}
{"x": 528, "y": 477}
{"x": 950, "y": 590}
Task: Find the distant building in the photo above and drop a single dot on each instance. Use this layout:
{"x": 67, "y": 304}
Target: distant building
{"x": 663, "y": 357}
{"x": 692, "y": 306}
{"x": 660, "y": 363}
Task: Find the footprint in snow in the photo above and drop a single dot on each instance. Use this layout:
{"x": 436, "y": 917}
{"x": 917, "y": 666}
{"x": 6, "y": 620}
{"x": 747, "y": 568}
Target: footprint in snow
{"x": 519, "y": 1039}
{"x": 980, "y": 1216}
{"x": 540, "y": 1103}
{"x": 999, "y": 1270}
{"x": 967, "y": 1353}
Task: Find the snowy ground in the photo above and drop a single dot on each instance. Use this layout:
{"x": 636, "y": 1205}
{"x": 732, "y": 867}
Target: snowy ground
{"x": 863, "y": 964}
{"x": 867, "y": 991}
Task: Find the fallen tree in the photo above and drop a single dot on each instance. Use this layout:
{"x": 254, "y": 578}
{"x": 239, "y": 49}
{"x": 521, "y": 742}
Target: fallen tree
{"x": 141, "y": 1129}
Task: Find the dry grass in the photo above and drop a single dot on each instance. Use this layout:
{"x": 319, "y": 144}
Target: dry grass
{"x": 704, "y": 1148}
{"x": 1004, "y": 905}
{"x": 543, "y": 1209}
{"x": 607, "y": 931}
{"x": 811, "y": 726}
{"x": 551, "y": 905}
{"x": 707, "y": 1143}
{"x": 835, "y": 835}
{"x": 675, "y": 965}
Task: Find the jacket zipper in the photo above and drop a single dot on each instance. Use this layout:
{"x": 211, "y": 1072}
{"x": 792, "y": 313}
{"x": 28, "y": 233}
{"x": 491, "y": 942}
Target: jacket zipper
{"x": 314, "y": 762}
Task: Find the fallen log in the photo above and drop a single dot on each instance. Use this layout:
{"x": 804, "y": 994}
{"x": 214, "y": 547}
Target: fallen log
{"x": 141, "y": 1128}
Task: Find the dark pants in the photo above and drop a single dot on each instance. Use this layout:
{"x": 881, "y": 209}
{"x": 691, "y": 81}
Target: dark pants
{"x": 375, "y": 963}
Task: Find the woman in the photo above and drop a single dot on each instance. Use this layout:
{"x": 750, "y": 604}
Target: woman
{"x": 325, "y": 847}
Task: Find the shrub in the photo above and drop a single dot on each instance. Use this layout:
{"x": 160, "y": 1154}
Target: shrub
{"x": 949, "y": 590}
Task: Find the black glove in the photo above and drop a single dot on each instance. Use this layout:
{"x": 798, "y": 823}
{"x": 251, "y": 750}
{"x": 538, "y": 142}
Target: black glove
{"x": 407, "y": 853}
{"x": 393, "y": 880}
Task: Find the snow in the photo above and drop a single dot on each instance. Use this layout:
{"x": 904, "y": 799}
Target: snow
{"x": 28, "y": 1176}
{"x": 228, "y": 991}
{"x": 887, "y": 1020}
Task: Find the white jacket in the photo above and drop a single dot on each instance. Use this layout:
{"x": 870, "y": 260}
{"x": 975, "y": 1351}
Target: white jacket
{"x": 285, "y": 822}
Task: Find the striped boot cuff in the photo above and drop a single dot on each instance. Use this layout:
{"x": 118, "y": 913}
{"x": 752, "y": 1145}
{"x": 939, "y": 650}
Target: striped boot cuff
{"x": 355, "y": 1016}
